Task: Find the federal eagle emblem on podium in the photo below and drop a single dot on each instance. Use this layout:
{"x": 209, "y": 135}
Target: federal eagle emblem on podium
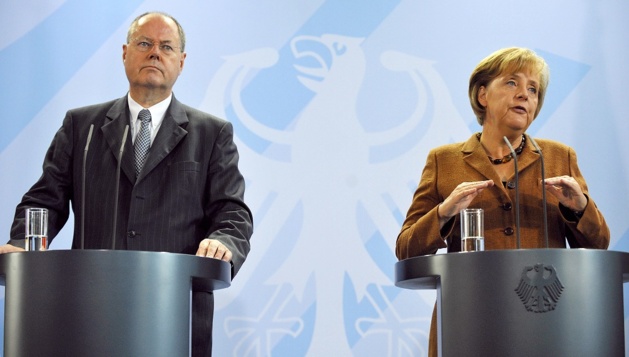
{"x": 539, "y": 288}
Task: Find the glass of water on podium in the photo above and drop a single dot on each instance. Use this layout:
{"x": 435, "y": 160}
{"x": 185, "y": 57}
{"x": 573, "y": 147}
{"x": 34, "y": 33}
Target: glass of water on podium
{"x": 36, "y": 237}
{"x": 472, "y": 230}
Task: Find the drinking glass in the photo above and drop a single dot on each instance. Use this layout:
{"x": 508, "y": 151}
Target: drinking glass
{"x": 472, "y": 230}
{"x": 36, "y": 237}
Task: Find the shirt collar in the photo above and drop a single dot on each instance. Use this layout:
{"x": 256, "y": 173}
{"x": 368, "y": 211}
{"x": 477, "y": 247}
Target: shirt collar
{"x": 158, "y": 111}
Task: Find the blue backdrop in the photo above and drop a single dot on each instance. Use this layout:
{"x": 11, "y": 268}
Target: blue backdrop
{"x": 335, "y": 105}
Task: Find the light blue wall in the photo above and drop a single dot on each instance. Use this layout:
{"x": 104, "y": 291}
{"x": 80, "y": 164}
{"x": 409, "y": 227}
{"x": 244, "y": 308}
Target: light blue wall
{"x": 331, "y": 157}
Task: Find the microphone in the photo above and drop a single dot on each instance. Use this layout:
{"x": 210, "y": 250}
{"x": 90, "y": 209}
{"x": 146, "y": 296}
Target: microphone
{"x": 517, "y": 191}
{"x": 113, "y": 234}
{"x": 83, "y": 174}
{"x": 541, "y": 157}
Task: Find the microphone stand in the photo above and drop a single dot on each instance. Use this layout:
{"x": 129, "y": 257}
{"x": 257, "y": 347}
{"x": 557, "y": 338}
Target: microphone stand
{"x": 113, "y": 234}
{"x": 517, "y": 191}
{"x": 541, "y": 157}
{"x": 87, "y": 146}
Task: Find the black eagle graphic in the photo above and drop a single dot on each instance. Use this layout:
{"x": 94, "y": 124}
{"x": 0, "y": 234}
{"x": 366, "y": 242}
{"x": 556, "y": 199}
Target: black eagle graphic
{"x": 539, "y": 288}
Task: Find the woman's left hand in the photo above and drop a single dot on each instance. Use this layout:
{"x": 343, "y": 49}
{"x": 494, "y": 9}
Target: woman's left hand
{"x": 567, "y": 191}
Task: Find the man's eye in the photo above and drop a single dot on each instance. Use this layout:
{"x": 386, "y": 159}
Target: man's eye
{"x": 166, "y": 48}
{"x": 145, "y": 44}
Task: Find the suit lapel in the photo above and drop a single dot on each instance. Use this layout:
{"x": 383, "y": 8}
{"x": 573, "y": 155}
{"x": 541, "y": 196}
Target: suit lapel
{"x": 113, "y": 132}
{"x": 529, "y": 155}
{"x": 170, "y": 133}
{"x": 474, "y": 155}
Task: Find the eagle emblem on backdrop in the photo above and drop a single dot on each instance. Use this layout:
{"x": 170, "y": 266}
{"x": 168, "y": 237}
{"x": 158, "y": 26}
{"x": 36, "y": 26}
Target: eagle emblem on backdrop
{"x": 539, "y": 288}
{"x": 305, "y": 170}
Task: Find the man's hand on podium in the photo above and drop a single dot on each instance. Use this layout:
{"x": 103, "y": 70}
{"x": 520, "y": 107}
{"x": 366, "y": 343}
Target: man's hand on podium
{"x": 213, "y": 248}
{"x": 8, "y": 248}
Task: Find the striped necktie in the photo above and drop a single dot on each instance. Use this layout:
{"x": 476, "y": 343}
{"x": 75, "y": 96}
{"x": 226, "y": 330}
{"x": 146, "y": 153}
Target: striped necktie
{"x": 142, "y": 141}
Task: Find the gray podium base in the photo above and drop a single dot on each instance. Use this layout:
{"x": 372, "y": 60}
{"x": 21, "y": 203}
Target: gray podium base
{"x": 537, "y": 302}
{"x": 103, "y": 303}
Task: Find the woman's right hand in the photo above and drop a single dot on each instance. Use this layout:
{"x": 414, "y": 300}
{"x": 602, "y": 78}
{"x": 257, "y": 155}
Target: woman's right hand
{"x": 461, "y": 198}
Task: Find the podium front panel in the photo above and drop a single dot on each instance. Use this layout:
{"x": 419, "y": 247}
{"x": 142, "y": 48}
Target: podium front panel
{"x": 102, "y": 303}
{"x": 537, "y": 302}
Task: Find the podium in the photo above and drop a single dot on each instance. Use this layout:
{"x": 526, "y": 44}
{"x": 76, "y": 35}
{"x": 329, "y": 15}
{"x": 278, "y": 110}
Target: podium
{"x": 533, "y": 302}
{"x": 103, "y": 302}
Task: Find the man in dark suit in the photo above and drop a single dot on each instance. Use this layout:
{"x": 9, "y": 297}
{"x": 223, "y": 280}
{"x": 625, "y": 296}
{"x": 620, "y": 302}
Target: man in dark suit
{"x": 185, "y": 196}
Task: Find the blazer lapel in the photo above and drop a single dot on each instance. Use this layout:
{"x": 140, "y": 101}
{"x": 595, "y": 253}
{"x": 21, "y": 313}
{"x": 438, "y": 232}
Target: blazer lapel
{"x": 170, "y": 133}
{"x": 529, "y": 155}
{"x": 474, "y": 155}
{"x": 113, "y": 132}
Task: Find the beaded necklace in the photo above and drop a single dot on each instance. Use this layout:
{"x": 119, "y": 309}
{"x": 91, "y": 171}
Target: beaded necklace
{"x": 508, "y": 157}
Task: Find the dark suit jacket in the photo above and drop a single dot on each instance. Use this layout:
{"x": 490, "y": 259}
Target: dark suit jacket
{"x": 189, "y": 189}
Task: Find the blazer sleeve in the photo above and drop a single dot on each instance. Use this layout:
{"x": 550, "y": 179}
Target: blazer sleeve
{"x": 590, "y": 230}
{"x": 231, "y": 221}
{"x": 420, "y": 233}
{"x": 53, "y": 189}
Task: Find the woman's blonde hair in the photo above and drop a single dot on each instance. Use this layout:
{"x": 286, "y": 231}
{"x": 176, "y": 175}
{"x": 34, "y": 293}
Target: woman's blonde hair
{"x": 507, "y": 60}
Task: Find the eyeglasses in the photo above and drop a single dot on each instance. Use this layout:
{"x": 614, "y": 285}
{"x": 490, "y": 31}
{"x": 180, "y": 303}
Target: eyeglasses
{"x": 145, "y": 46}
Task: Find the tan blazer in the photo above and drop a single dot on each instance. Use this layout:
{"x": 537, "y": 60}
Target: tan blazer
{"x": 449, "y": 165}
